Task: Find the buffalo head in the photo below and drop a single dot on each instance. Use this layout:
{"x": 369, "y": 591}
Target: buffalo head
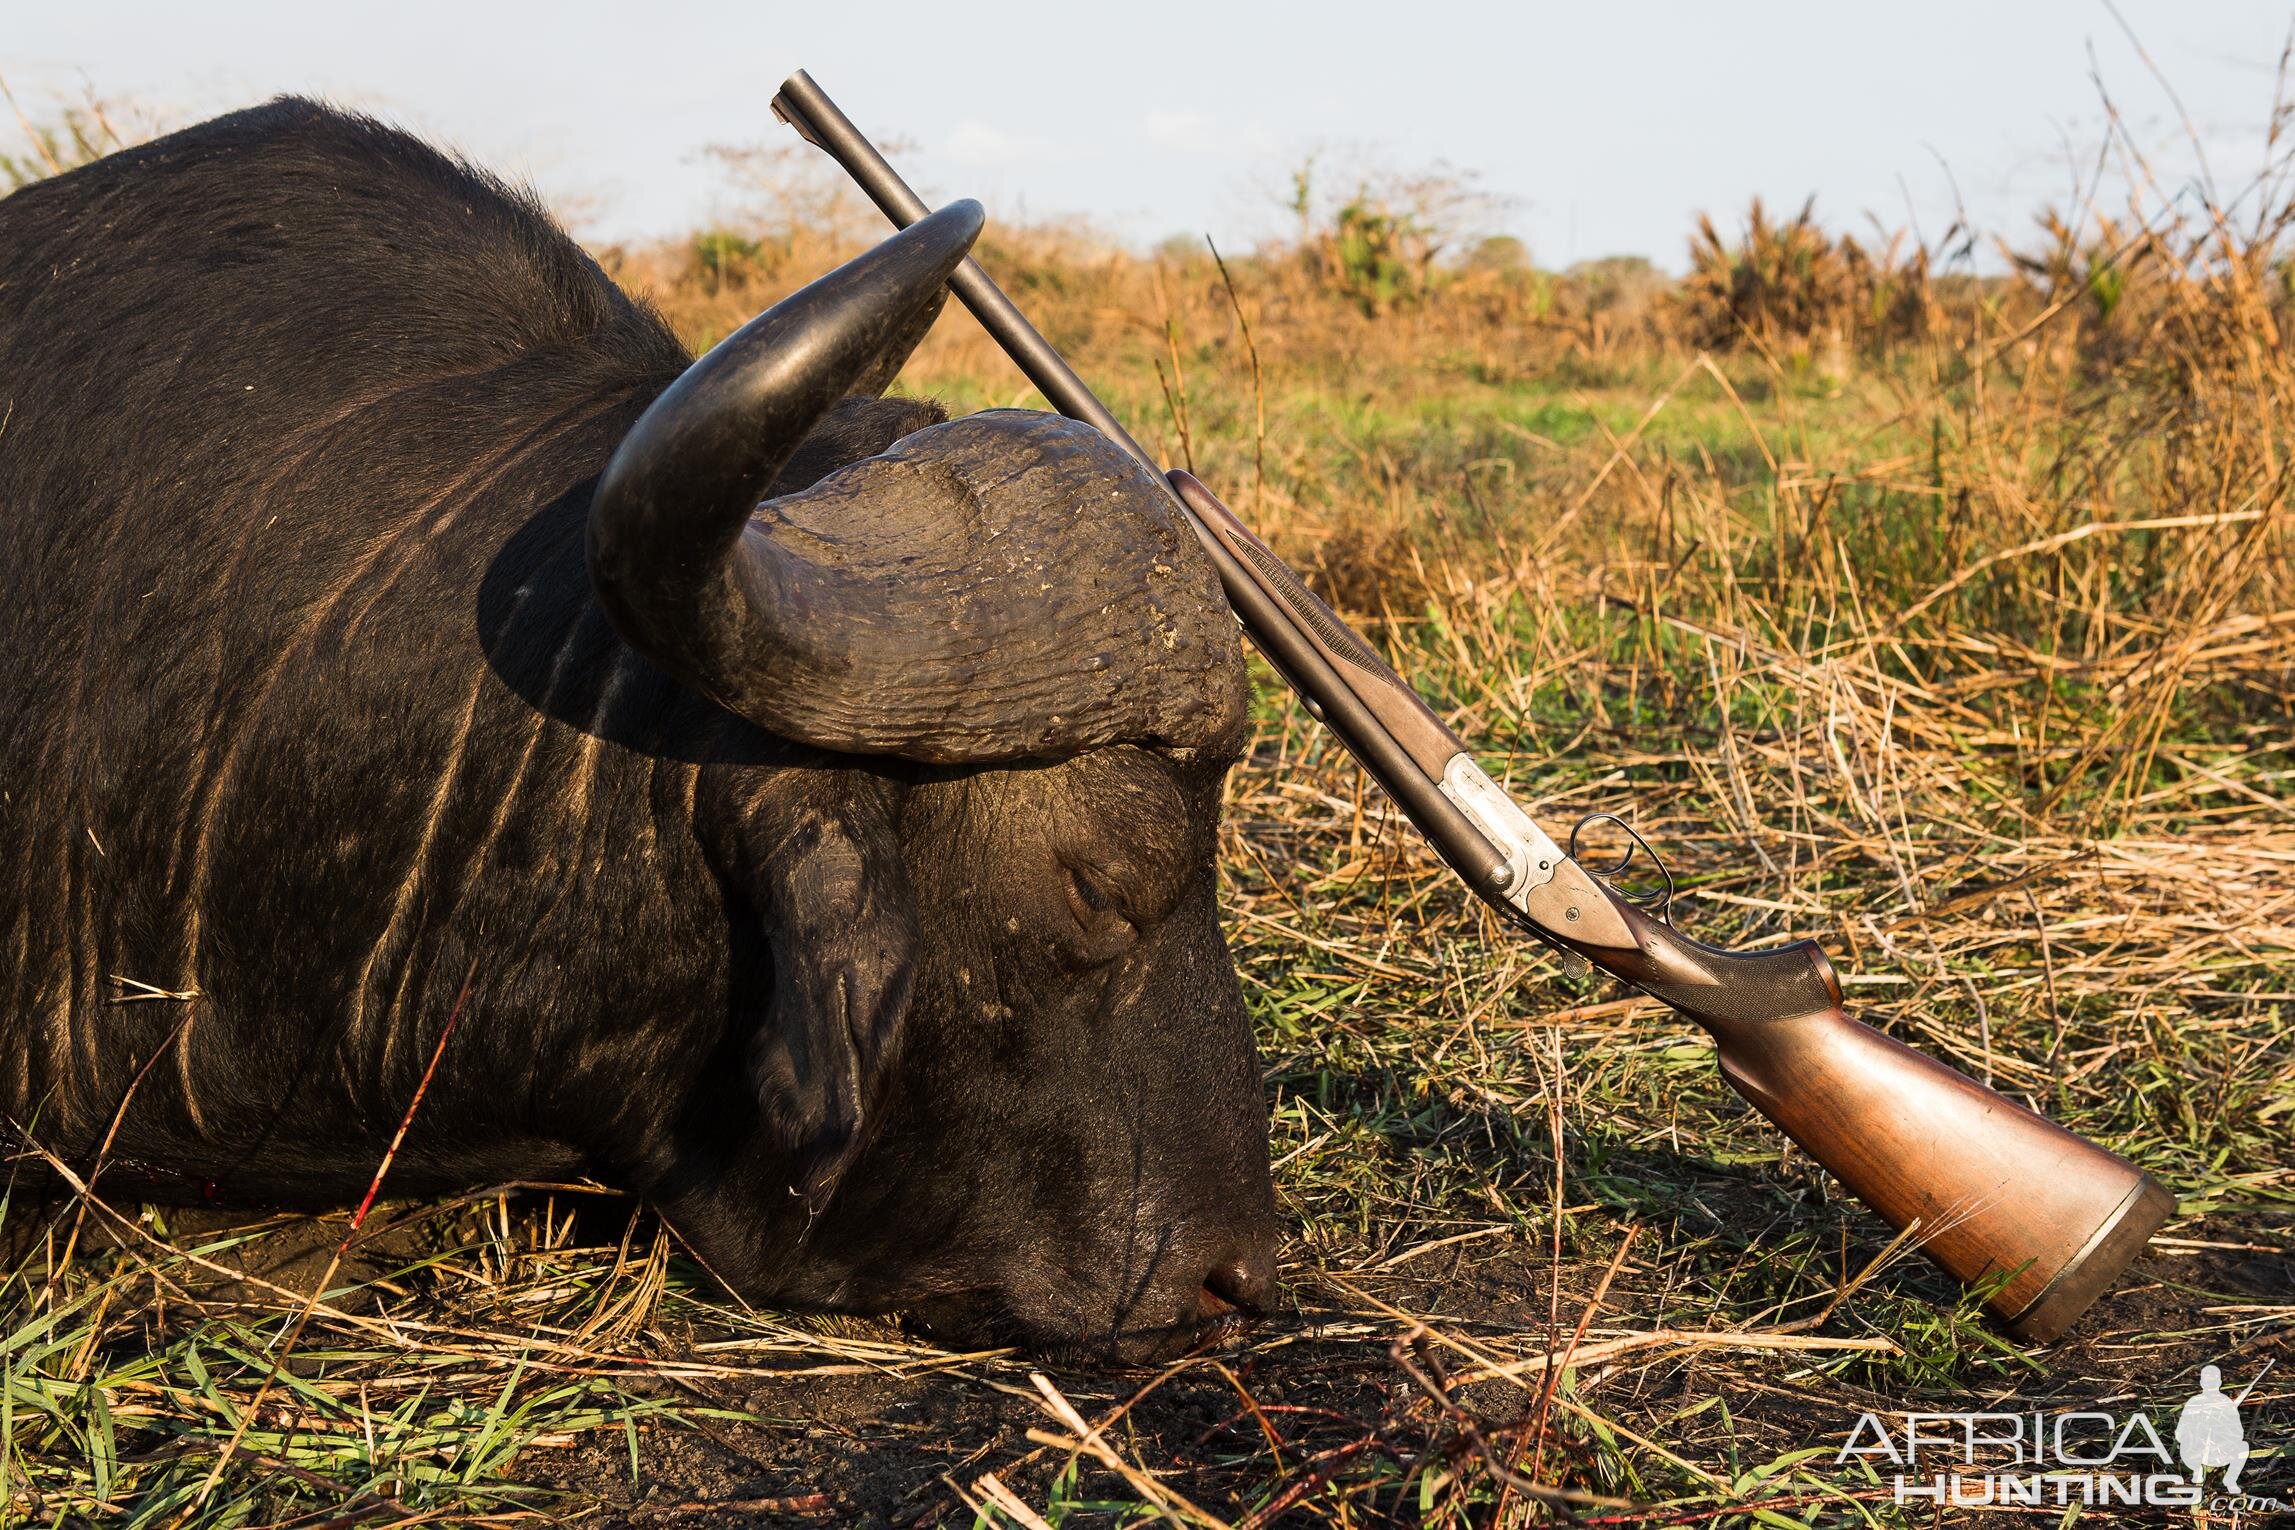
{"x": 1005, "y": 1079}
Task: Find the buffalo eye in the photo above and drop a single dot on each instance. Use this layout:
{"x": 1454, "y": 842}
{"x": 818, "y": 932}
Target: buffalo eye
{"x": 1106, "y": 929}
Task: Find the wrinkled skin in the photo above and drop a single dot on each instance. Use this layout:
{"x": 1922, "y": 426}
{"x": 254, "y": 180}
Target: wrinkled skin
{"x": 1074, "y": 1070}
{"x": 312, "y": 717}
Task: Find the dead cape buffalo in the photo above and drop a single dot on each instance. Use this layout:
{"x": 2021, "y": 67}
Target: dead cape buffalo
{"x": 818, "y": 794}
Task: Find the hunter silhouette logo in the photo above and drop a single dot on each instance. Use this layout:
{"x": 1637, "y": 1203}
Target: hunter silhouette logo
{"x": 2207, "y": 1432}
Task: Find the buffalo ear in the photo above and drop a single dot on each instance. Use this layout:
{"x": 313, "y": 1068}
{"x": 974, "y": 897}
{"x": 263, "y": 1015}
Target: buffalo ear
{"x": 843, "y": 933}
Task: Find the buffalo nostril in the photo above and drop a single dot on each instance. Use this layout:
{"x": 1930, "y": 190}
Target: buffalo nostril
{"x": 1236, "y": 1285}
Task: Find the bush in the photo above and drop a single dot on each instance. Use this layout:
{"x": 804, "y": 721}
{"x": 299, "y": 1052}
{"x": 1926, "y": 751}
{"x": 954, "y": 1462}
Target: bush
{"x": 723, "y": 259}
{"x": 1792, "y": 288}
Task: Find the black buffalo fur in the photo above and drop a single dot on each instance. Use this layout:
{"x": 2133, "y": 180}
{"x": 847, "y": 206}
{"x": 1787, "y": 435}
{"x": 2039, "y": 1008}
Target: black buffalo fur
{"x": 310, "y": 722}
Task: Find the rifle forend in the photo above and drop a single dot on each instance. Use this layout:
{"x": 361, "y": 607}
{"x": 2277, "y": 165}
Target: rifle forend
{"x": 2001, "y": 1197}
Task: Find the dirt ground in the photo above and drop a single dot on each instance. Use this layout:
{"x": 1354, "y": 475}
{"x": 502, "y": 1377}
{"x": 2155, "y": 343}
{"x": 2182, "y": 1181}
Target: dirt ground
{"x": 883, "y": 1450}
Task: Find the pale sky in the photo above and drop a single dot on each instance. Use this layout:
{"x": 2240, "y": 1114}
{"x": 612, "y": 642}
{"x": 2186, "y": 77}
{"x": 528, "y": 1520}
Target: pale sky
{"x": 1607, "y": 126}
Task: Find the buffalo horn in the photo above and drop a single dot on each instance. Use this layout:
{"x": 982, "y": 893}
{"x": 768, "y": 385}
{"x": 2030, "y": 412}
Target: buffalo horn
{"x": 998, "y": 587}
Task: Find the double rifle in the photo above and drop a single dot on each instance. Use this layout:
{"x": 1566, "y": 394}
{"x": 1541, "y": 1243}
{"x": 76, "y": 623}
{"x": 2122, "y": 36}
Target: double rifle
{"x": 1998, "y": 1195}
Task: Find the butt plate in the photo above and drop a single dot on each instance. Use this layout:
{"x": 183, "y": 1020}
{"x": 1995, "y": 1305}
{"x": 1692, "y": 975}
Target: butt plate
{"x": 2091, "y": 1271}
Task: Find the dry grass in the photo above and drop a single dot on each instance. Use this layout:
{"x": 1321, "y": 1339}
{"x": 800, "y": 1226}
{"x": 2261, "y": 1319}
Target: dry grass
{"x": 1969, "y": 649}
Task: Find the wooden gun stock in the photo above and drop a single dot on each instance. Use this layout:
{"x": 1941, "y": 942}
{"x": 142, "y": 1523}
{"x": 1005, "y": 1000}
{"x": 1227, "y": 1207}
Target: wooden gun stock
{"x": 1996, "y": 1190}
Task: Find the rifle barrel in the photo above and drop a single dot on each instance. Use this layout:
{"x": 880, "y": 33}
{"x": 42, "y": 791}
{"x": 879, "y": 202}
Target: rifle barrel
{"x": 805, "y": 107}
